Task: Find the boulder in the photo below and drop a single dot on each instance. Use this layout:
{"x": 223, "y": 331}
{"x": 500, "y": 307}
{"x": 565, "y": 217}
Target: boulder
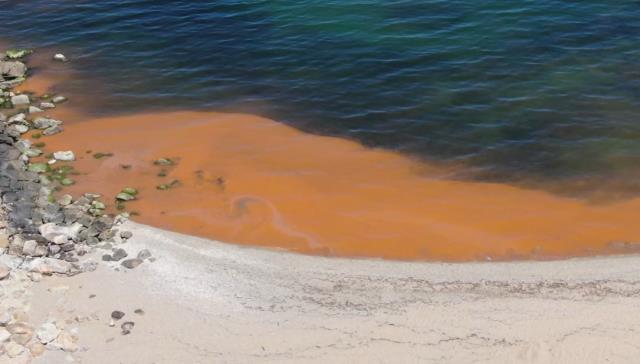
{"x": 12, "y": 69}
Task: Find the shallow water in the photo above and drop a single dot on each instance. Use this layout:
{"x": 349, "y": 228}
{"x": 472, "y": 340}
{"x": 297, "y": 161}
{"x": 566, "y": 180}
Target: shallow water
{"x": 540, "y": 93}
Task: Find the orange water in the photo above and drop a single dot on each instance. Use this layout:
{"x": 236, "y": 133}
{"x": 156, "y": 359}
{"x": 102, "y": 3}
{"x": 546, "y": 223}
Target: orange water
{"x": 250, "y": 180}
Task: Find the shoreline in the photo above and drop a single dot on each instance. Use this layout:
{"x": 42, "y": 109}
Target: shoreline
{"x": 205, "y": 300}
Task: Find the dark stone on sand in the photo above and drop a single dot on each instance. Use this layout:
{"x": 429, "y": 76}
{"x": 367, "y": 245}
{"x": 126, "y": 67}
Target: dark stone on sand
{"x": 131, "y": 263}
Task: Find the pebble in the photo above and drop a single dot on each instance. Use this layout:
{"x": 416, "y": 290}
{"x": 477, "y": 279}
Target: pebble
{"x": 144, "y": 254}
{"x": 126, "y": 234}
{"x": 127, "y": 327}
{"x": 36, "y": 349}
{"x": 60, "y": 57}
{"x": 131, "y": 263}
{"x": 58, "y": 99}
{"x": 139, "y": 311}
{"x": 65, "y": 341}
{"x": 117, "y": 315}
{"x": 65, "y": 155}
{"x": 47, "y": 105}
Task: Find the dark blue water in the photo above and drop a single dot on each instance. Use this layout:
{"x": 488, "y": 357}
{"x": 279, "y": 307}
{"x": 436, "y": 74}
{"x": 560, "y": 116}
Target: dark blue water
{"x": 544, "y": 90}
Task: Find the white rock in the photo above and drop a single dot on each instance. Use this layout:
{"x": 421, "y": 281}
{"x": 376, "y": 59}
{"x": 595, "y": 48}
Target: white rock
{"x": 47, "y": 333}
{"x": 34, "y": 109}
{"x": 51, "y": 230}
{"x": 66, "y": 342}
{"x": 58, "y": 99}
{"x": 17, "y": 118}
{"x": 64, "y": 155}
{"x": 60, "y": 239}
{"x": 60, "y": 57}
{"x": 21, "y": 128}
{"x": 4, "y": 335}
{"x": 5, "y": 318}
{"x": 13, "y": 349}
{"x": 20, "y": 100}
{"x": 44, "y": 123}
{"x": 47, "y": 105}
{"x": 4, "y": 271}
{"x": 49, "y": 266}
{"x": 29, "y": 248}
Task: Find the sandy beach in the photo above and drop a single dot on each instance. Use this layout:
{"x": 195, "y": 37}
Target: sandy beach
{"x": 206, "y": 301}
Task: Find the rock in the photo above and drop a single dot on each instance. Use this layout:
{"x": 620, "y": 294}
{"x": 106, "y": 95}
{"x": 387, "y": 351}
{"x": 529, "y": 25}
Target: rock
{"x": 21, "y": 332}
{"x": 58, "y": 99}
{"x": 13, "y": 349}
{"x": 38, "y": 167}
{"x": 49, "y": 266}
{"x": 20, "y": 100}
{"x": 36, "y": 349}
{"x": 127, "y": 327}
{"x": 65, "y": 200}
{"x": 52, "y": 130}
{"x": 47, "y": 105}
{"x": 4, "y": 271}
{"x": 12, "y": 69}
{"x": 131, "y": 263}
{"x": 66, "y": 342}
{"x": 125, "y": 197}
{"x": 44, "y": 123}
{"x": 117, "y": 315}
{"x": 119, "y": 254}
{"x": 66, "y": 155}
{"x": 34, "y": 110}
{"x": 29, "y": 248}
{"x": 126, "y": 234}
{"x": 4, "y": 335}
{"x": 130, "y": 191}
{"x": 107, "y": 258}
{"x": 17, "y": 118}
{"x": 144, "y": 254}
{"x": 51, "y": 230}
{"x": 5, "y": 318}
{"x": 16, "y": 53}
{"x": 60, "y": 57}
{"x": 47, "y": 333}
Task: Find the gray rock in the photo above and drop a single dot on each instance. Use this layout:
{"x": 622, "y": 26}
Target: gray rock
{"x": 12, "y": 69}
{"x": 126, "y": 234}
{"x": 119, "y": 254}
{"x": 65, "y": 200}
{"x": 144, "y": 254}
{"x": 19, "y": 100}
{"x": 44, "y": 123}
{"x": 127, "y": 327}
{"x": 131, "y": 263}
{"x": 17, "y": 118}
{"x": 117, "y": 315}
{"x": 52, "y": 130}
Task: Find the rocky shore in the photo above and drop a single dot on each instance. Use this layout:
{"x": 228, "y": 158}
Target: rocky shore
{"x": 44, "y": 232}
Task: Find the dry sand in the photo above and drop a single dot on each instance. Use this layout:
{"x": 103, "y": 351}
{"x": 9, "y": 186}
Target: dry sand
{"x": 209, "y": 302}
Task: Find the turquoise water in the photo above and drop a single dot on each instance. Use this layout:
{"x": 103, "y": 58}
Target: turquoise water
{"x": 519, "y": 91}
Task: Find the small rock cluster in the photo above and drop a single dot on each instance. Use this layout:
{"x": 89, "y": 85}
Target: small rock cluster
{"x": 40, "y": 234}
